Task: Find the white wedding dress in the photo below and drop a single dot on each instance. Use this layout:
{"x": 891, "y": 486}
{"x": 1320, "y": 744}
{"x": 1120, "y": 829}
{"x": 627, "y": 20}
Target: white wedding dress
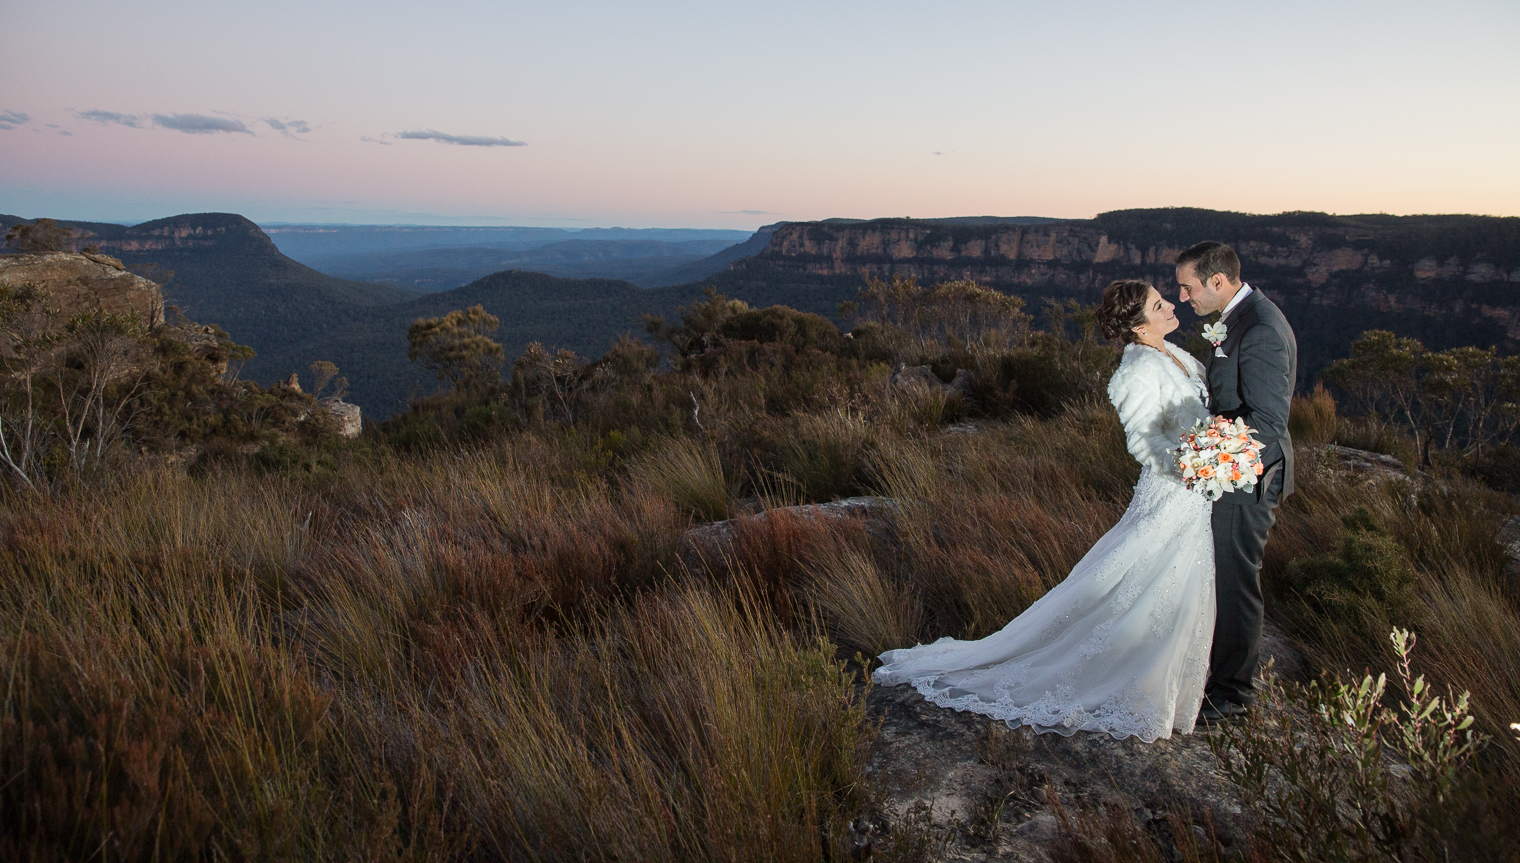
{"x": 1121, "y": 645}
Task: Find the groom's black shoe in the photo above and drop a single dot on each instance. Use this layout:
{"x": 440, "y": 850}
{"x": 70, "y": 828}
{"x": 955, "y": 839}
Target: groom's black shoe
{"x": 1224, "y": 711}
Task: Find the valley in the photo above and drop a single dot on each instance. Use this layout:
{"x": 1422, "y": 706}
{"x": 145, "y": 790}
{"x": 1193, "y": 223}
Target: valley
{"x": 1446, "y": 280}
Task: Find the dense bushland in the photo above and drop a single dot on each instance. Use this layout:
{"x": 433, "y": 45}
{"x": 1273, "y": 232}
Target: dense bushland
{"x": 475, "y": 633}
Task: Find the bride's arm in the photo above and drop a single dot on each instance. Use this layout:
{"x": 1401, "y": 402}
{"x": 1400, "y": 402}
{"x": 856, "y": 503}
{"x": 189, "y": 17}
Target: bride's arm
{"x": 1137, "y": 397}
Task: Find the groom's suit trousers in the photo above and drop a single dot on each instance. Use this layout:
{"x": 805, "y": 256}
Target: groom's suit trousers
{"x": 1251, "y": 377}
{"x": 1240, "y": 539}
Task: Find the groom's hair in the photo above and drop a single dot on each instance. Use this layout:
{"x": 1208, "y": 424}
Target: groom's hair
{"x": 1210, "y": 257}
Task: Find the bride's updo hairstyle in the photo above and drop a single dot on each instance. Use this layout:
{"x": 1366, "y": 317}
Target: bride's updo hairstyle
{"x": 1123, "y": 309}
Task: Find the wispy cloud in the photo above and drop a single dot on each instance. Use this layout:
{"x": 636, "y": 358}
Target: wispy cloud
{"x": 12, "y": 119}
{"x": 99, "y": 116}
{"x": 462, "y": 140}
{"x": 367, "y": 139}
{"x": 200, "y": 124}
{"x": 748, "y": 213}
{"x": 288, "y": 128}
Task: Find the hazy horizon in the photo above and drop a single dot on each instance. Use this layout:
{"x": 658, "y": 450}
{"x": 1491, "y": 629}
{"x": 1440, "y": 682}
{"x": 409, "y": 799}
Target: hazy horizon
{"x": 472, "y": 113}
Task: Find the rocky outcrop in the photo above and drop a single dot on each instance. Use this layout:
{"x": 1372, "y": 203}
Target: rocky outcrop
{"x": 350, "y": 418}
{"x": 205, "y": 341}
{"x": 980, "y": 791}
{"x": 922, "y": 379}
{"x": 77, "y": 283}
{"x": 1449, "y": 279}
{"x": 707, "y": 543}
{"x": 1040, "y": 254}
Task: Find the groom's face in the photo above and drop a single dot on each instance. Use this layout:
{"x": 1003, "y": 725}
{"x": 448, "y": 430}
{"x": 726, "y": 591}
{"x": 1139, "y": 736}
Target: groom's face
{"x": 1204, "y": 297}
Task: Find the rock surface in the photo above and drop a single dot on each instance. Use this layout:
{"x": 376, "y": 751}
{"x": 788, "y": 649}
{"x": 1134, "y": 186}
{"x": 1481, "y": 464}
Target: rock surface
{"x": 923, "y": 379}
{"x": 711, "y": 541}
{"x": 78, "y": 282}
{"x": 1375, "y": 465}
{"x": 350, "y": 418}
{"x": 955, "y": 774}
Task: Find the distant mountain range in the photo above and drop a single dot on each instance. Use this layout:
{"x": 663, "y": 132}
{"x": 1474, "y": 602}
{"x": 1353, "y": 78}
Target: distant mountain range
{"x": 440, "y": 258}
{"x": 228, "y": 272}
{"x": 643, "y": 262}
{"x": 1448, "y": 280}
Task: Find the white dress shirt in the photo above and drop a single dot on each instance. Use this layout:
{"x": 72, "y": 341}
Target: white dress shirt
{"x": 1235, "y": 301}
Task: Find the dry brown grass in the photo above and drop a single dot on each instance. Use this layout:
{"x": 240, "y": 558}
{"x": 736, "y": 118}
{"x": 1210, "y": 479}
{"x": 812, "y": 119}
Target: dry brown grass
{"x": 865, "y": 609}
{"x": 497, "y": 654}
{"x": 1311, "y": 418}
{"x": 477, "y": 656}
{"x": 1468, "y": 623}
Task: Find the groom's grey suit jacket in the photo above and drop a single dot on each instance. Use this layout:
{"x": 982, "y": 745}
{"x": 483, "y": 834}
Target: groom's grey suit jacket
{"x": 1254, "y": 381}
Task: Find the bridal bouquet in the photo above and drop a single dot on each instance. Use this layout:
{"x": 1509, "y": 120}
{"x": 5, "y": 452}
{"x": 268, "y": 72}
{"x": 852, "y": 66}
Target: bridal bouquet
{"x": 1218, "y": 456}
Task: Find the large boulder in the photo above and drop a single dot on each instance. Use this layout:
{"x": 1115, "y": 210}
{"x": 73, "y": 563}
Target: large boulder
{"x": 78, "y": 282}
{"x": 350, "y": 418}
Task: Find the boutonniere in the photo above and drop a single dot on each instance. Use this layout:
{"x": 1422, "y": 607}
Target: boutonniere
{"x": 1215, "y": 333}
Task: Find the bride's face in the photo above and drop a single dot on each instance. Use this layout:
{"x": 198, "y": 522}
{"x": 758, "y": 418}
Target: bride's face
{"x": 1159, "y": 316}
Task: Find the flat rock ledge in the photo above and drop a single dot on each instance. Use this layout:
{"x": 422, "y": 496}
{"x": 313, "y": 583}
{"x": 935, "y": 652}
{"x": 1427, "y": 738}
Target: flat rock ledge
{"x": 708, "y": 542}
{"x": 1375, "y": 466}
{"x": 948, "y": 775}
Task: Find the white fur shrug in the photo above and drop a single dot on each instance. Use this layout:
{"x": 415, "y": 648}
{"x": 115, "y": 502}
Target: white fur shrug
{"x": 1157, "y": 401}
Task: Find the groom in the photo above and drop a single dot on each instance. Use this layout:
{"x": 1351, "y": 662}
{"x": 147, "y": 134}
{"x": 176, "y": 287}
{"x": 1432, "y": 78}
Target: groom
{"x": 1252, "y": 368}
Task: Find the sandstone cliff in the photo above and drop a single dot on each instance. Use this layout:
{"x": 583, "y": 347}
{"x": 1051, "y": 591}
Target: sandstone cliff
{"x": 1447, "y": 280}
{"x": 85, "y": 282}
{"x": 1085, "y": 254}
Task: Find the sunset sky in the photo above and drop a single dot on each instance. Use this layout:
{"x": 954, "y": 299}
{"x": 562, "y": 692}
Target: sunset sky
{"x": 711, "y": 114}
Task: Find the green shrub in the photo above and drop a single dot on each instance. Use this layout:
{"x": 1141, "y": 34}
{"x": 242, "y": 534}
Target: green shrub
{"x": 416, "y": 435}
{"x": 1314, "y": 762}
{"x": 782, "y": 325}
{"x": 482, "y": 422}
{"x": 1369, "y": 582}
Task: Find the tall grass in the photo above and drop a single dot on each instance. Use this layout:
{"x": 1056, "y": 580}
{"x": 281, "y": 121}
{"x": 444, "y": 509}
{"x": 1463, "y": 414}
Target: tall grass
{"x": 482, "y": 656}
{"x": 1311, "y": 418}
{"x": 1444, "y": 530}
{"x": 692, "y": 474}
{"x": 497, "y": 653}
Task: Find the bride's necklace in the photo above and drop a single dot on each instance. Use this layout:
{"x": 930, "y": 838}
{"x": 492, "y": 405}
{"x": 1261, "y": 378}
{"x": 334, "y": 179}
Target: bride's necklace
{"x": 1168, "y": 355}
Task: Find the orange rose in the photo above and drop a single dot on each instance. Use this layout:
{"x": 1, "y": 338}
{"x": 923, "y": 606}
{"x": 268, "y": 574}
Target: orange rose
{"x": 1235, "y": 475}
{"x": 1225, "y": 458}
{"x": 1259, "y": 469}
{"x": 1206, "y": 472}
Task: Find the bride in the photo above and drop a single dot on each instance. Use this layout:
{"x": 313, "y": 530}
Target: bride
{"x": 1121, "y": 645}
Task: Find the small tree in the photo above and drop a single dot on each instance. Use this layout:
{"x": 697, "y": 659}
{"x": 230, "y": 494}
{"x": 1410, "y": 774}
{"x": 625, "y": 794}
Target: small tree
{"x": 699, "y": 323}
{"x": 1465, "y": 399}
{"x": 28, "y": 336}
{"x": 924, "y": 322}
{"x": 43, "y": 235}
{"x": 107, "y": 357}
{"x": 1382, "y": 378}
{"x": 456, "y": 347}
{"x": 540, "y": 373}
{"x": 324, "y": 373}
